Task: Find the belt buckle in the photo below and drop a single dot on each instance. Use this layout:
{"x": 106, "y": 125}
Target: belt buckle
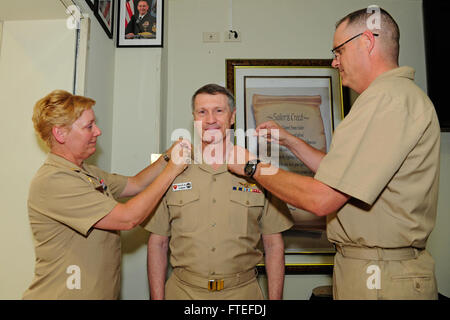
{"x": 215, "y": 285}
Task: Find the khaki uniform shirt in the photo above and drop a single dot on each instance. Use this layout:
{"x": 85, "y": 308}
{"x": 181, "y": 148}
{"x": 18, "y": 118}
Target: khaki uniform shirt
{"x": 64, "y": 203}
{"x": 385, "y": 155}
{"x": 215, "y": 220}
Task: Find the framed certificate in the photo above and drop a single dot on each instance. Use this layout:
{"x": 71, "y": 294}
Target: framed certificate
{"x": 306, "y": 98}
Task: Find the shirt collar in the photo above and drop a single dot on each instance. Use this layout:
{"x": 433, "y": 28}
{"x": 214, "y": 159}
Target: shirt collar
{"x": 58, "y": 161}
{"x": 208, "y": 168}
{"x": 402, "y": 72}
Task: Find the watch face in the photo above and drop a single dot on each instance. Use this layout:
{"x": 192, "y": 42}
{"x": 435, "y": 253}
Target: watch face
{"x": 249, "y": 168}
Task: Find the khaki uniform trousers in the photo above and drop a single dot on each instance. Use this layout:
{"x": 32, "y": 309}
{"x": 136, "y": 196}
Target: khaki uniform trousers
{"x": 378, "y": 274}
{"x": 185, "y": 285}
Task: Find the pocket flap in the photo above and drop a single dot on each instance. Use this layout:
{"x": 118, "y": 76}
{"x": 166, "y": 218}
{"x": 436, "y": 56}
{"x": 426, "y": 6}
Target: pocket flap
{"x": 181, "y": 198}
{"x": 248, "y": 199}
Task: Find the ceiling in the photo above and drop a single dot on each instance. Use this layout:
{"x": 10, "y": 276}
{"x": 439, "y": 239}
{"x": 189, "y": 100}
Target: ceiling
{"x": 33, "y": 9}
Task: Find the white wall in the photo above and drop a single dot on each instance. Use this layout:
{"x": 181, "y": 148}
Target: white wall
{"x": 26, "y": 75}
{"x": 136, "y": 108}
{"x": 135, "y": 137}
{"x": 99, "y": 85}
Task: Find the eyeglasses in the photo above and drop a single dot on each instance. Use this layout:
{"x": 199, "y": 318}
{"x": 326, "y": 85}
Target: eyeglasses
{"x": 335, "y": 51}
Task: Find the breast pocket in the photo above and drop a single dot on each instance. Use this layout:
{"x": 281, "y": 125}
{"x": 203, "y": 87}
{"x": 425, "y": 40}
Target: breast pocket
{"x": 245, "y": 211}
{"x": 183, "y": 208}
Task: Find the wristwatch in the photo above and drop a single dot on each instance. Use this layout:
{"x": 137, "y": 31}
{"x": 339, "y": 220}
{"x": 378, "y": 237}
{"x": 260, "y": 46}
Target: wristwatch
{"x": 166, "y": 157}
{"x": 250, "y": 167}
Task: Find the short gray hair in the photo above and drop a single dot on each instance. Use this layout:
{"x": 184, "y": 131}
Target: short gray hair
{"x": 213, "y": 89}
{"x": 389, "y": 33}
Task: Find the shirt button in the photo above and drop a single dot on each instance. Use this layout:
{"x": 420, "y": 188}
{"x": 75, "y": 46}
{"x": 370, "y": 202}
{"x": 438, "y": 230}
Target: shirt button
{"x": 247, "y": 202}
{"x": 214, "y": 200}
{"x": 214, "y": 179}
{"x": 213, "y": 249}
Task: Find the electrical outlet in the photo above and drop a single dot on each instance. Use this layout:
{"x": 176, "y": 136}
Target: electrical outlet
{"x": 232, "y": 36}
{"x": 211, "y": 37}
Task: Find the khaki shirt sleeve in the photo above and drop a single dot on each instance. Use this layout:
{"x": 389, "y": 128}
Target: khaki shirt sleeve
{"x": 68, "y": 198}
{"x": 276, "y": 216}
{"x": 159, "y": 221}
{"x": 368, "y": 148}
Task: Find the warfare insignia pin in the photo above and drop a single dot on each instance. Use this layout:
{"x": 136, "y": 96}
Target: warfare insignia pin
{"x": 254, "y": 190}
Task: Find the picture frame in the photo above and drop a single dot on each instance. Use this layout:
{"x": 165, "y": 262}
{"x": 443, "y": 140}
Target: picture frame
{"x": 145, "y": 32}
{"x": 262, "y": 89}
{"x": 91, "y": 4}
{"x": 104, "y": 12}
{"x": 305, "y": 263}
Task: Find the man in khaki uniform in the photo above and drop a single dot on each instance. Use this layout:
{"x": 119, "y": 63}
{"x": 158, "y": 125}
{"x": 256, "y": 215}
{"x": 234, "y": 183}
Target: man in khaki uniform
{"x": 214, "y": 220}
{"x": 379, "y": 181}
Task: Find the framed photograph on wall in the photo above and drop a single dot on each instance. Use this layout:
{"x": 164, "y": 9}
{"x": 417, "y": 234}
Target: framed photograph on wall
{"x": 104, "y": 13}
{"x": 304, "y": 96}
{"x": 140, "y": 23}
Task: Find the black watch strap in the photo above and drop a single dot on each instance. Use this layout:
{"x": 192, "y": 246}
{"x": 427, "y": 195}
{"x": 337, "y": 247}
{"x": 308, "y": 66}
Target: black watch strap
{"x": 250, "y": 167}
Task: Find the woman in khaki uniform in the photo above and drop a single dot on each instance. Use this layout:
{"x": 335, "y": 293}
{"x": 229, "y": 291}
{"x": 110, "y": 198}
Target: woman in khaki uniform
{"x": 73, "y": 213}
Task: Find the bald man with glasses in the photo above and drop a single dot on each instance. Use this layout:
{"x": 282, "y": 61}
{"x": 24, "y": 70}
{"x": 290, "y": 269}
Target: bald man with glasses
{"x": 378, "y": 184}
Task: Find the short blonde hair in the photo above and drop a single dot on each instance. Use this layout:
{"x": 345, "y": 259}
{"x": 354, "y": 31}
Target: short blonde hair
{"x": 58, "y": 108}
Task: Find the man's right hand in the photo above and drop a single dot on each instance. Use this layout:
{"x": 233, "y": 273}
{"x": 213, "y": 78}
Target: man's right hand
{"x": 273, "y": 132}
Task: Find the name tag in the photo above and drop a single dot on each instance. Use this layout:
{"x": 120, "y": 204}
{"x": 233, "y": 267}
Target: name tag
{"x": 181, "y": 186}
